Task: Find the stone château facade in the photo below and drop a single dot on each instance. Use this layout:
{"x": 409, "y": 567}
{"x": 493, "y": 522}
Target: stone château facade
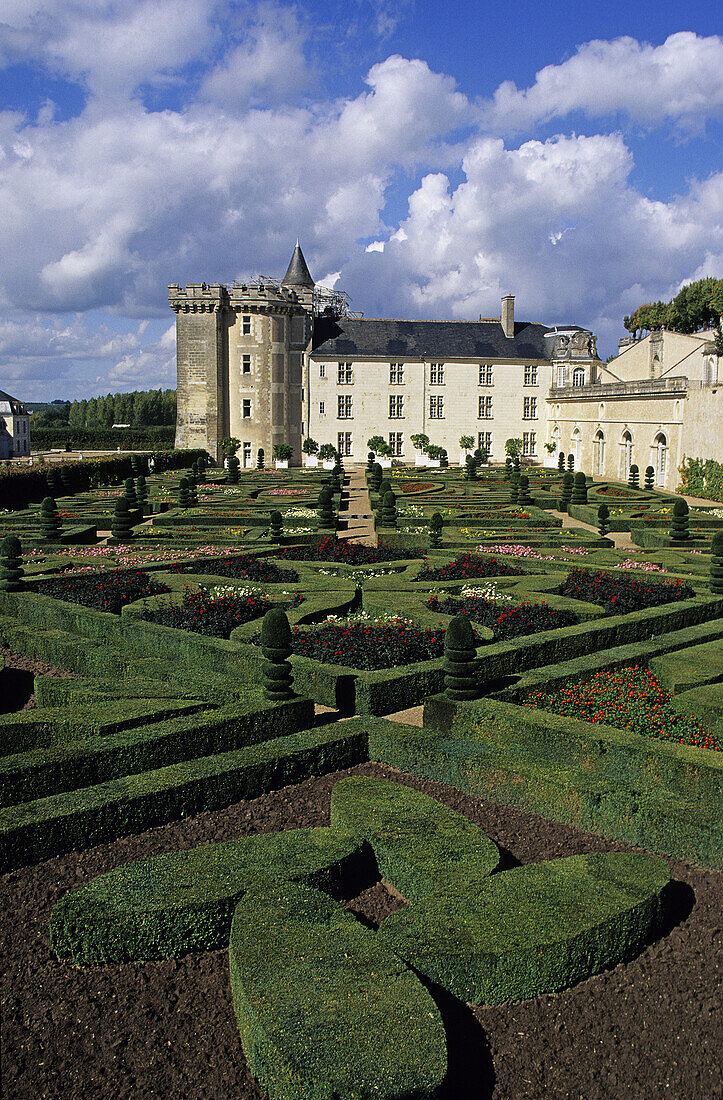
{"x": 14, "y": 427}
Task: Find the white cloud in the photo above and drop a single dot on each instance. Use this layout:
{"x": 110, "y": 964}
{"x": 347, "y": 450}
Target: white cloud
{"x": 680, "y": 82}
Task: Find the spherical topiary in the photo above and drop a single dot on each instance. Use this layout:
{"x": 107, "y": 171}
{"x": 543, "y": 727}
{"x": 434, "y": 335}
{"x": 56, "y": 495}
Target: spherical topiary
{"x": 389, "y": 510}
{"x": 184, "y": 495}
{"x": 260, "y": 459}
{"x": 571, "y": 461}
{"x": 141, "y": 492}
{"x": 603, "y": 515}
{"x": 579, "y": 489}
{"x": 679, "y": 526}
{"x": 460, "y": 660}
{"x": 561, "y": 460}
{"x": 716, "y": 564}
{"x": 523, "y": 495}
{"x": 634, "y": 477}
{"x": 232, "y": 475}
{"x": 276, "y": 527}
{"x": 566, "y": 493}
{"x": 276, "y": 648}
{"x": 11, "y": 564}
{"x": 649, "y": 478}
{"x": 129, "y": 492}
{"x": 50, "y": 520}
{"x": 470, "y": 468}
{"x": 371, "y": 459}
{"x": 121, "y": 527}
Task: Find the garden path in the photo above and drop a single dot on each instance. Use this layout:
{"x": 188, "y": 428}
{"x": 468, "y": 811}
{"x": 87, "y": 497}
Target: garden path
{"x": 621, "y": 539}
{"x": 359, "y": 510}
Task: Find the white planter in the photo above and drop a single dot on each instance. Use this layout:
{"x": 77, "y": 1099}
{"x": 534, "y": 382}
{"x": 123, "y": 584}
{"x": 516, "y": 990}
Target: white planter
{"x": 328, "y": 464}
{"x": 312, "y": 461}
{"x": 421, "y": 460}
{"x": 434, "y": 462}
{"x": 385, "y": 463}
{"x": 282, "y": 464}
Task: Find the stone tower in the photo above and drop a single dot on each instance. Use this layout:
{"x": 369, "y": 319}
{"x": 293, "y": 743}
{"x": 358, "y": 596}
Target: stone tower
{"x": 239, "y": 361}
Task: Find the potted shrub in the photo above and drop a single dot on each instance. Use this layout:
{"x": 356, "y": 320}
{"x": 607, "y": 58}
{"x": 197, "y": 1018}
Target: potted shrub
{"x": 328, "y": 456}
{"x": 311, "y": 449}
{"x": 385, "y": 456}
{"x": 434, "y": 454}
{"x": 229, "y": 445}
{"x": 420, "y": 441}
{"x": 283, "y": 453}
{"x": 466, "y": 442}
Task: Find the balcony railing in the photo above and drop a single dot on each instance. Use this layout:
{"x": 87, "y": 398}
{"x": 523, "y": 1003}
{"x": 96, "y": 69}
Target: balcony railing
{"x": 651, "y": 386}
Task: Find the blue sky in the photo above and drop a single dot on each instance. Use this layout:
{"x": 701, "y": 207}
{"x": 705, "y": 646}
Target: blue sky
{"x": 430, "y": 157}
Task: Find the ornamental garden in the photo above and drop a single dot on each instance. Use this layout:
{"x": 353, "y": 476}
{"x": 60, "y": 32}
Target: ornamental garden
{"x": 199, "y": 639}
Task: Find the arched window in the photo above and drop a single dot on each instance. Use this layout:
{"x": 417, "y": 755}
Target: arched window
{"x": 575, "y": 446}
{"x": 660, "y": 457}
{"x": 655, "y": 366}
{"x": 626, "y": 454}
{"x": 710, "y": 372}
{"x": 598, "y": 453}
{"x": 601, "y": 411}
{"x": 578, "y": 376}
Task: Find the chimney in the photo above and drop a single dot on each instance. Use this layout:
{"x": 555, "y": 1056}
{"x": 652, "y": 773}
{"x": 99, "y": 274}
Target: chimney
{"x": 507, "y": 320}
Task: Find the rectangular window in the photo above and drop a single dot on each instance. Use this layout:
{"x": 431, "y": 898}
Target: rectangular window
{"x": 396, "y": 374}
{"x": 396, "y": 406}
{"x": 344, "y": 374}
{"x": 485, "y": 374}
{"x": 246, "y": 364}
{"x": 529, "y": 408}
{"x": 247, "y": 455}
{"x": 344, "y": 407}
{"x": 343, "y": 444}
{"x": 246, "y": 409}
{"x": 484, "y": 439}
{"x": 322, "y": 408}
{"x": 396, "y": 444}
{"x": 484, "y": 411}
{"x": 436, "y": 374}
{"x": 322, "y": 370}
{"x": 529, "y": 443}
{"x": 436, "y": 408}
{"x": 246, "y": 325}
{"x": 561, "y": 376}
{"x": 530, "y": 376}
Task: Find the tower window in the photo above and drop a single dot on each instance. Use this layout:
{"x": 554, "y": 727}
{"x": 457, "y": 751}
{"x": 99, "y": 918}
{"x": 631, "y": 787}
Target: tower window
{"x": 246, "y": 409}
{"x": 246, "y": 364}
{"x": 322, "y": 408}
{"x": 246, "y": 324}
{"x": 322, "y": 370}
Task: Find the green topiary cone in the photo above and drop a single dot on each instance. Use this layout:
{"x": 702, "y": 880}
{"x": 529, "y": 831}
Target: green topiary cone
{"x": 129, "y": 492}
{"x": 121, "y": 527}
{"x": 460, "y": 661}
{"x": 389, "y": 510}
{"x": 566, "y": 494}
{"x": 276, "y": 528}
{"x": 716, "y": 564}
{"x": 50, "y": 520}
{"x": 679, "y": 527}
{"x": 603, "y": 515}
{"x": 649, "y": 478}
{"x": 276, "y": 648}
{"x": 11, "y": 565}
{"x": 523, "y": 495}
{"x": 634, "y": 477}
{"x": 579, "y": 489}
{"x": 233, "y": 468}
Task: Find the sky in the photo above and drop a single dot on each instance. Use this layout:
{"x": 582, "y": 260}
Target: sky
{"x": 430, "y": 157}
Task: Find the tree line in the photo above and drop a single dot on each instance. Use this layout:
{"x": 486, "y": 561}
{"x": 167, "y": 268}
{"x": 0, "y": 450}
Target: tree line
{"x": 140, "y": 409}
{"x": 697, "y": 306}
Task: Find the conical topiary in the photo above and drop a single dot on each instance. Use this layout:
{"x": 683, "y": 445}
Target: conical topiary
{"x": 233, "y": 467}
{"x": 514, "y": 486}
{"x": 121, "y": 527}
{"x": 603, "y": 515}
{"x": 523, "y": 495}
{"x": 375, "y": 477}
{"x": 470, "y": 468}
{"x": 334, "y": 482}
{"x": 11, "y": 565}
{"x": 55, "y": 485}
{"x": 649, "y": 478}
{"x": 436, "y": 525}
{"x": 444, "y": 460}
{"x": 579, "y": 489}
{"x": 67, "y": 479}
{"x": 276, "y": 527}
{"x": 184, "y": 495}
{"x": 508, "y": 468}
{"x": 324, "y": 509}
{"x": 50, "y": 520}
{"x": 389, "y": 510}
{"x": 200, "y": 471}
{"x": 135, "y": 465}
{"x": 679, "y": 527}
{"x": 571, "y": 461}
{"x": 141, "y": 492}
{"x": 634, "y": 477}
{"x": 260, "y": 459}
{"x": 129, "y": 492}
{"x": 716, "y": 564}
{"x": 561, "y": 460}
{"x": 371, "y": 459}
{"x": 385, "y": 487}
{"x": 566, "y": 493}
{"x": 192, "y": 492}
{"x": 276, "y": 648}
{"x": 460, "y": 661}
{"x": 516, "y": 463}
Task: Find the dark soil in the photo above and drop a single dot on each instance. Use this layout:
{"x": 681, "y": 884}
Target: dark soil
{"x": 17, "y": 686}
{"x": 167, "y": 1029}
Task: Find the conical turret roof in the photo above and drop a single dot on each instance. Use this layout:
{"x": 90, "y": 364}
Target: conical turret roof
{"x": 297, "y": 273}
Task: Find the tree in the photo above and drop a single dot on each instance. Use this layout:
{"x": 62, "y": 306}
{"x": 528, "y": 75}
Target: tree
{"x": 229, "y": 445}
{"x": 420, "y": 441}
{"x": 376, "y": 444}
{"x": 310, "y": 446}
{"x": 697, "y": 305}
{"x": 283, "y": 452}
{"x": 513, "y": 447}
{"x": 466, "y": 442}
{"x": 327, "y": 451}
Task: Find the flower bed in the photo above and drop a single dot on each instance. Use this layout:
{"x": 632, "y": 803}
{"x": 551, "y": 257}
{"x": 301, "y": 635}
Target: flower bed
{"x": 468, "y": 565}
{"x": 103, "y": 591}
{"x": 628, "y": 698}
{"x": 242, "y": 567}
{"x": 620, "y": 594}
{"x": 206, "y": 613}
{"x": 368, "y": 646}
{"x": 507, "y": 622}
{"x": 351, "y": 553}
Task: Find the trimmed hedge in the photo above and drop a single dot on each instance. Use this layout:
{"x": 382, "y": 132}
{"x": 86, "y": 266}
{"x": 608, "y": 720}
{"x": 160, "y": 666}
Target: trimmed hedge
{"x": 535, "y": 929}
{"x": 420, "y": 845}
{"x": 324, "y": 1008}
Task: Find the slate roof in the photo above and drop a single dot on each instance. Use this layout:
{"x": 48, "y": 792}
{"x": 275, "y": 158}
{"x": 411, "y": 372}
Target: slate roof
{"x": 297, "y": 273}
{"x": 11, "y": 405}
{"x": 351, "y": 339}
